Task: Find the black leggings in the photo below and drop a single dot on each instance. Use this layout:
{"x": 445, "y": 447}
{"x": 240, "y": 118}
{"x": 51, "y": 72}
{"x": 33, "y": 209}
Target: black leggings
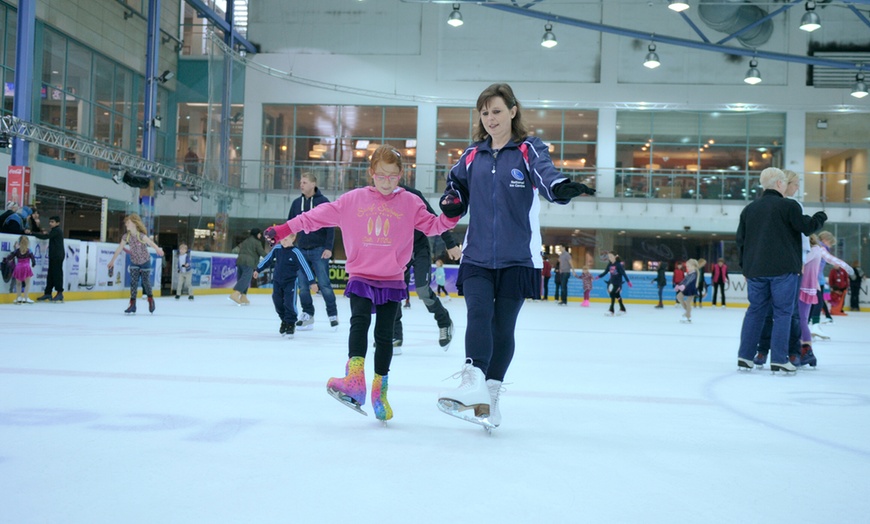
{"x": 616, "y": 295}
{"x": 361, "y": 320}
{"x": 490, "y": 344}
{"x": 143, "y": 272}
{"x": 717, "y": 286}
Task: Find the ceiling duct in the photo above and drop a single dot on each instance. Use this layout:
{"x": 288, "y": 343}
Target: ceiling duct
{"x": 733, "y": 15}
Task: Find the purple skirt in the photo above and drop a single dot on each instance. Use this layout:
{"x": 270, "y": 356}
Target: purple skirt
{"x": 378, "y": 291}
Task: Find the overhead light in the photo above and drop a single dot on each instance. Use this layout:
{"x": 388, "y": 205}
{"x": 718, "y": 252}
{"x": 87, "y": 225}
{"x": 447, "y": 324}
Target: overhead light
{"x": 549, "y": 39}
{"x": 652, "y": 58}
{"x": 194, "y": 195}
{"x": 118, "y": 176}
{"x": 810, "y": 21}
{"x": 676, "y": 5}
{"x": 455, "y": 18}
{"x": 753, "y": 76}
{"x": 859, "y": 90}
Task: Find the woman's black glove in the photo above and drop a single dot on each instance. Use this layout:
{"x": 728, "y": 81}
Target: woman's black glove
{"x": 568, "y": 190}
{"x": 451, "y": 204}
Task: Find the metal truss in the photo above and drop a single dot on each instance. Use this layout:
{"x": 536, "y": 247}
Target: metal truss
{"x": 118, "y": 159}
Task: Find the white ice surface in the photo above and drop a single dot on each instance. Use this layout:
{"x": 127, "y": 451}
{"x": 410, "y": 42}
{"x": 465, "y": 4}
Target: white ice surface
{"x": 201, "y": 412}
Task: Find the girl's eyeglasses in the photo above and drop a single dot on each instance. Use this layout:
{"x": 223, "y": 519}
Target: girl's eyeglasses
{"x": 391, "y": 178}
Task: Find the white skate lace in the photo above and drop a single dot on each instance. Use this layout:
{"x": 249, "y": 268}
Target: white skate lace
{"x": 443, "y": 333}
{"x": 465, "y": 373}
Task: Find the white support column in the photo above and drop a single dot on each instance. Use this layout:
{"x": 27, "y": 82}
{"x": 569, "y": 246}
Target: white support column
{"x": 605, "y": 182}
{"x": 427, "y": 123}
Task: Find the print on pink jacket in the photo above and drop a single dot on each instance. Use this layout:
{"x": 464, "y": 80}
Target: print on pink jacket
{"x": 377, "y": 230}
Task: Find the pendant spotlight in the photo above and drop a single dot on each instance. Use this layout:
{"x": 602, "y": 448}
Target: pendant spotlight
{"x": 859, "y": 90}
{"x": 455, "y": 18}
{"x": 810, "y": 21}
{"x": 753, "y": 76}
{"x": 676, "y": 5}
{"x": 652, "y": 58}
{"x": 549, "y": 39}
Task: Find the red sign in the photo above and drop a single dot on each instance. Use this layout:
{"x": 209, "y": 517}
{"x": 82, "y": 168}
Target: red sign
{"x": 18, "y": 185}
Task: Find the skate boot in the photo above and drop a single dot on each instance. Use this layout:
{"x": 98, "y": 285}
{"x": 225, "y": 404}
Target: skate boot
{"x": 333, "y": 322}
{"x": 807, "y": 356}
{"x": 816, "y": 330}
{"x": 245, "y": 301}
{"x": 283, "y": 328}
{"x": 744, "y": 364}
{"x": 787, "y": 367}
{"x": 382, "y": 408}
{"x": 471, "y": 395}
{"x": 305, "y": 322}
{"x": 350, "y": 390}
{"x": 445, "y": 335}
{"x": 795, "y": 360}
{"x": 132, "y": 309}
{"x": 585, "y": 303}
{"x": 236, "y": 297}
{"x": 760, "y": 359}
{"x": 495, "y": 388}
{"x": 151, "y": 305}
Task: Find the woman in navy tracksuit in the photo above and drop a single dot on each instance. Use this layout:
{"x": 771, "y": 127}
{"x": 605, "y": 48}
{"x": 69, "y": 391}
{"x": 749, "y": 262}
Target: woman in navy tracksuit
{"x": 500, "y": 177}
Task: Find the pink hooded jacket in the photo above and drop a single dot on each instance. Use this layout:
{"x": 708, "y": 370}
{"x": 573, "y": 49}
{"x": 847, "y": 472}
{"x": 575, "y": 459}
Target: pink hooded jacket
{"x": 377, "y": 230}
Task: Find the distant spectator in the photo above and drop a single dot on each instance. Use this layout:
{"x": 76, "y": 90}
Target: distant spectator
{"x": 191, "y": 162}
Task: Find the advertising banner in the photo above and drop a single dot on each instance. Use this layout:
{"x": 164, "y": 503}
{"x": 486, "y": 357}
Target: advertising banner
{"x": 18, "y": 185}
{"x": 223, "y": 271}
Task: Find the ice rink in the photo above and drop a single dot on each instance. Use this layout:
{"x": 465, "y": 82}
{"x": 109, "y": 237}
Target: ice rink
{"x": 202, "y": 412}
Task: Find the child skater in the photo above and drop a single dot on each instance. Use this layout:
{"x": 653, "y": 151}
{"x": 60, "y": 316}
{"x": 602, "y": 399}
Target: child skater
{"x": 617, "y": 275}
{"x": 587, "y": 278}
{"x": 687, "y": 289}
{"x": 441, "y": 278}
{"x": 23, "y": 260}
{"x": 140, "y": 260}
{"x": 184, "y": 272}
{"x": 288, "y": 261}
{"x": 377, "y": 224}
{"x": 808, "y": 296}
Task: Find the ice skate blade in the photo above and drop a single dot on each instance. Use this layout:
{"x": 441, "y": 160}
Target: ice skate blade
{"x": 346, "y": 400}
{"x": 460, "y": 411}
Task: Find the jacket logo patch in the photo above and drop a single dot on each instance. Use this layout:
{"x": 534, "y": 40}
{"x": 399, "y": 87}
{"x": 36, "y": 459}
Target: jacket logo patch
{"x": 517, "y": 174}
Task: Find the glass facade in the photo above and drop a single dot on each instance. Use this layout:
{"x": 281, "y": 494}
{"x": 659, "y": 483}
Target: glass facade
{"x": 333, "y": 142}
{"x": 695, "y": 155}
{"x": 570, "y": 134}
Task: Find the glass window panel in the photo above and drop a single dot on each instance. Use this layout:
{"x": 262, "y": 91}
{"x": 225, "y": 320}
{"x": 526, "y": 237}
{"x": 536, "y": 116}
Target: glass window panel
{"x": 102, "y": 125}
{"x": 723, "y": 128}
{"x": 53, "y": 59}
{"x": 675, "y": 128}
{"x": 574, "y": 157}
{"x": 766, "y": 128}
{"x": 400, "y": 122}
{"x": 456, "y": 123}
{"x": 3, "y": 30}
{"x": 546, "y": 124}
{"x": 123, "y": 92}
{"x": 633, "y": 126}
{"x": 11, "y": 41}
{"x": 78, "y": 77}
{"x": 360, "y": 121}
{"x": 581, "y": 126}
{"x": 314, "y": 121}
{"x": 104, "y": 76}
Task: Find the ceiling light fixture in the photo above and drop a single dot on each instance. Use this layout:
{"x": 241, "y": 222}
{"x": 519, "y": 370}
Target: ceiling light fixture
{"x": 549, "y": 39}
{"x": 676, "y": 5}
{"x": 455, "y": 18}
{"x": 652, "y": 58}
{"x": 753, "y": 75}
{"x": 859, "y": 90}
{"x": 810, "y": 21}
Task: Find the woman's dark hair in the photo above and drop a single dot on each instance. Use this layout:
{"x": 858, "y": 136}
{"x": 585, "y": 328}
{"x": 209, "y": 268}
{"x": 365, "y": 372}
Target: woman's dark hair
{"x": 518, "y": 129}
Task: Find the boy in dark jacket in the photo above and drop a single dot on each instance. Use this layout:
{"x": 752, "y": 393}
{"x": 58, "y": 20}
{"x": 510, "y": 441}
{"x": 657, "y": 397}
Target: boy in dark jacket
{"x": 288, "y": 261}
{"x": 54, "y": 280}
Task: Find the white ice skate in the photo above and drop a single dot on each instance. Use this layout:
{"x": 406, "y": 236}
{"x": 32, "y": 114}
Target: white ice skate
{"x": 816, "y": 330}
{"x": 495, "y": 388}
{"x": 745, "y": 364}
{"x": 471, "y": 400}
{"x": 786, "y": 367}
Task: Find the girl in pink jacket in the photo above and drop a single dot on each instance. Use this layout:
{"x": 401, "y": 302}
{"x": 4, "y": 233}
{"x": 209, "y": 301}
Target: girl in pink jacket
{"x": 377, "y": 225}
